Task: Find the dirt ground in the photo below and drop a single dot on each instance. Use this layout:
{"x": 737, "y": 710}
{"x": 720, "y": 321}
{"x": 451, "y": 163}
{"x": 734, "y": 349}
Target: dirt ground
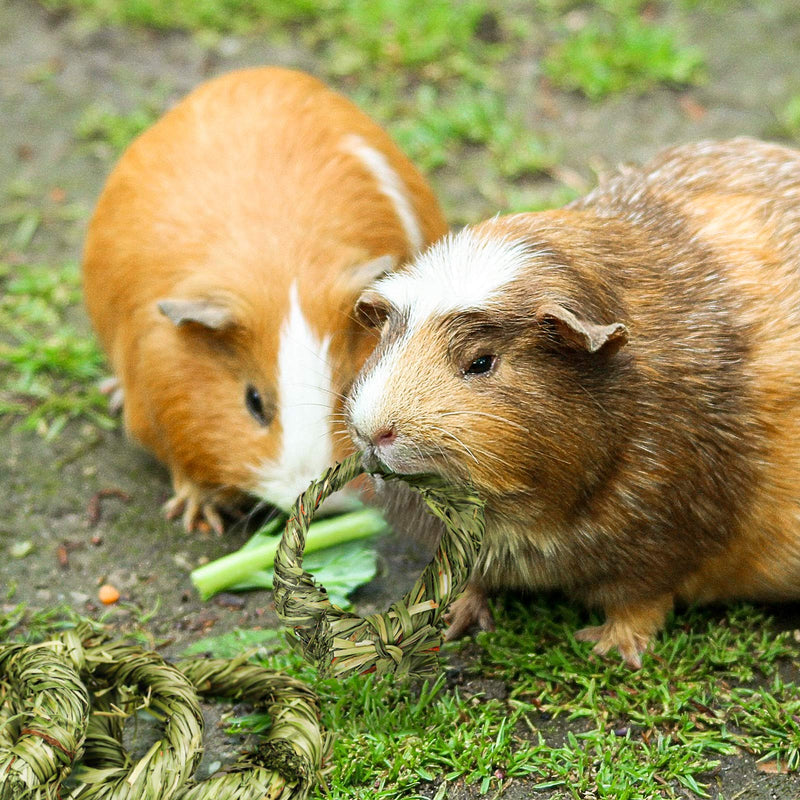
{"x": 52, "y": 68}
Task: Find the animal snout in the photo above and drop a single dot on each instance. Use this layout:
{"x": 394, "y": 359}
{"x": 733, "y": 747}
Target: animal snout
{"x": 384, "y": 436}
{"x": 373, "y": 436}
{"x": 375, "y": 441}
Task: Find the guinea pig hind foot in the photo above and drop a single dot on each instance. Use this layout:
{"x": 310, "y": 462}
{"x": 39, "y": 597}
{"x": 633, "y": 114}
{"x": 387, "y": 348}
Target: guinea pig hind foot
{"x": 628, "y": 629}
{"x": 193, "y": 504}
{"x": 467, "y": 610}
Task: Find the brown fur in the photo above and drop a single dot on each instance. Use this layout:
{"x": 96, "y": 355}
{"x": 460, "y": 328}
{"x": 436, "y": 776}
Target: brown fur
{"x": 662, "y": 468}
{"x": 239, "y": 191}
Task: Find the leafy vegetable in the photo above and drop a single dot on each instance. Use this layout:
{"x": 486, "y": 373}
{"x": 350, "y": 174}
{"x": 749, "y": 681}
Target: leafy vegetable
{"x": 345, "y": 564}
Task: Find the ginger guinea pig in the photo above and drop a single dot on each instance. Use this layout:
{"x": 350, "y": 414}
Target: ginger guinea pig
{"x": 619, "y": 379}
{"x": 221, "y": 268}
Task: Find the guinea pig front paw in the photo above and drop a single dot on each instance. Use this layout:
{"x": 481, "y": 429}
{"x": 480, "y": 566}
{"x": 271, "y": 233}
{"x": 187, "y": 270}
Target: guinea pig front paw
{"x": 628, "y": 629}
{"x": 195, "y": 506}
{"x": 470, "y": 608}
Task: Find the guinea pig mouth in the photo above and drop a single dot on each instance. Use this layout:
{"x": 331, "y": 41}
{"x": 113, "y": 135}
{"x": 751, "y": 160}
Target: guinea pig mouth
{"x": 371, "y": 460}
{"x": 409, "y": 461}
{"x": 376, "y": 459}
{"x": 392, "y": 459}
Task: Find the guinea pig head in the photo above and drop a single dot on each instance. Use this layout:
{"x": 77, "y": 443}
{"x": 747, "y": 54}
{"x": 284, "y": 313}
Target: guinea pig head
{"x": 259, "y": 374}
{"x": 498, "y": 359}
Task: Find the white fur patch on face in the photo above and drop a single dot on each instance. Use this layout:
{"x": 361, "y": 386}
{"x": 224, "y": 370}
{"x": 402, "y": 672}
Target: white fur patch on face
{"x": 305, "y": 405}
{"x": 462, "y": 272}
{"x": 389, "y": 184}
{"x": 365, "y": 405}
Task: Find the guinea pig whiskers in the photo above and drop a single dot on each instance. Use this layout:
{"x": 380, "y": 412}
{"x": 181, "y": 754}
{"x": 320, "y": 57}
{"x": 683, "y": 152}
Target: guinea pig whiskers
{"x": 337, "y": 395}
{"x": 458, "y": 441}
{"x": 486, "y": 414}
{"x": 305, "y": 404}
{"x": 257, "y": 509}
{"x": 592, "y": 398}
{"x": 488, "y": 454}
{"x": 334, "y": 394}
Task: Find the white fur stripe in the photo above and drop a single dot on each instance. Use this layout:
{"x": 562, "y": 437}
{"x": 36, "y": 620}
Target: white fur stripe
{"x": 390, "y": 184}
{"x": 305, "y": 405}
{"x": 365, "y": 406}
{"x": 462, "y": 272}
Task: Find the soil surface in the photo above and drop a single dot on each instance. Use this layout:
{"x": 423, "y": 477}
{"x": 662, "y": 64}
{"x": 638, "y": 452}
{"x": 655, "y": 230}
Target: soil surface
{"x": 51, "y": 69}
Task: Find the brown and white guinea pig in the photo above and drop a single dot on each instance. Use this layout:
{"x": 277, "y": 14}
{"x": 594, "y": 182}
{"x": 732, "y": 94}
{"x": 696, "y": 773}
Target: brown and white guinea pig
{"x": 620, "y": 379}
{"x": 221, "y": 268}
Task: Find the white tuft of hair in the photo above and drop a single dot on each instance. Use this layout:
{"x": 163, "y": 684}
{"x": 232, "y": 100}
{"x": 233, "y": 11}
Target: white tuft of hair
{"x": 462, "y": 272}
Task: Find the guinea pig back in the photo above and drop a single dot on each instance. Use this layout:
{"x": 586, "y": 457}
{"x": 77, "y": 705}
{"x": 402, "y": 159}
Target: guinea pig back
{"x": 619, "y": 380}
{"x": 220, "y": 271}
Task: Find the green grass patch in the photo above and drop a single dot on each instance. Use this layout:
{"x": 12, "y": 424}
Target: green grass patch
{"x": 49, "y": 363}
{"x": 621, "y": 52}
{"x": 99, "y": 124}
{"x": 434, "y": 39}
{"x": 710, "y": 688}
{"x": 355, "y": 34}
{"x": 391, "y": 740}
{"x": 787, "y": 120}
{"x": 564, "y": 720}
{"x": 48, "y": 367}
{"x": 436, "y": 126}
{"x": 224, "y": 16}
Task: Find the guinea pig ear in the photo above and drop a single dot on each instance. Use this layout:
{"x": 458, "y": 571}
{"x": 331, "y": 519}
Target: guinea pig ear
{"x": 362, "y": 275}
{"x": 371, "y": 309}
{"x": 212, "y": 315}
{"x": 580, "y": 334}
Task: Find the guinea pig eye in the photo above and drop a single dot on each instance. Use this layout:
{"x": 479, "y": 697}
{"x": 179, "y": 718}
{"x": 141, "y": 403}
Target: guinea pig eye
{"x": 255, "y": 405}
{"x": 481, "y": 365}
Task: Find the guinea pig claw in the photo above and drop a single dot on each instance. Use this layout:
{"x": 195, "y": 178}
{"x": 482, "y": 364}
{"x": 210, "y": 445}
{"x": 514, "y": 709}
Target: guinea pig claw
{"x": 628, "y": 628}
{"x": 613, "y": 635}
{"x": 112, "y": 388}
{"x": 213, "y": 518}
{"x": 469, "y": 609}
{"x": 199, "y": 515}
{"x": 195, "y": 513}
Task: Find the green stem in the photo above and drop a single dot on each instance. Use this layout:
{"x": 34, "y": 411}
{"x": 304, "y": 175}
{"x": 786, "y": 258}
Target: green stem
{"x": 235, "y": 567}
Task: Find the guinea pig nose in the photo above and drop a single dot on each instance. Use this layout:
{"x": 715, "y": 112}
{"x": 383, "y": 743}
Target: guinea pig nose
{"x": 384, "y": 436}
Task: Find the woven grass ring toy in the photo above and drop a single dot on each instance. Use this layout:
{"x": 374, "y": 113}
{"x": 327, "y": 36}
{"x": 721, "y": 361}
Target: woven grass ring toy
{"x": 47, "y": 724}
{"x": 406, "y": 638}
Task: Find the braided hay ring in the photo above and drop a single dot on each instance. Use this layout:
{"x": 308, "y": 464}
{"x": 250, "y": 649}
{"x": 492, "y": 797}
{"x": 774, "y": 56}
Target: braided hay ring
{"x": 44, "y": 721}
{"x": 42, "y": 689}
{"x": 166, "y": 767}
{"x": 284, "y": 765}
{"x": 404, "y": 639}
{"x": 288, "y": 759}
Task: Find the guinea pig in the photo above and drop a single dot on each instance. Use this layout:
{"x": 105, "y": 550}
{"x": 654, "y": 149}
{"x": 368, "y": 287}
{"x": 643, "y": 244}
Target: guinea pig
{"x": 619, "y": 380}
{"x": 221, "y": 268}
